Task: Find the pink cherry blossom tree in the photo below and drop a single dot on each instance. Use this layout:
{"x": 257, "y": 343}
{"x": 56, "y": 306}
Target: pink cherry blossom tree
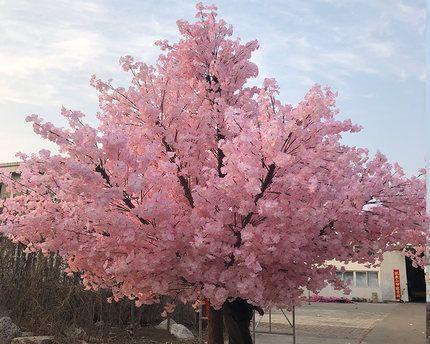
{"x": 195, "y": 185}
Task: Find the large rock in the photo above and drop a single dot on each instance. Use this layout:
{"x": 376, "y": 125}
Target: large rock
{"x": 181, "y": 332}
{"x": 76, "y": 332}
{"x": 34, "y": 340}
{"x": 8, "y": 330}
{"x": 163, "y": 324}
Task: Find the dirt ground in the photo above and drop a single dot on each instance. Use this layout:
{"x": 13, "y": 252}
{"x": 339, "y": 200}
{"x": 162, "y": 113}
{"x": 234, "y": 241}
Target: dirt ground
{"x": 317, "y": 323}
{"x": 145, "y": 335}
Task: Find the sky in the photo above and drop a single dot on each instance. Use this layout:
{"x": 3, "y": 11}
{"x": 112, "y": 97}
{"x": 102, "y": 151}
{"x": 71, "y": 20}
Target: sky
{"x": 372, "y": 52}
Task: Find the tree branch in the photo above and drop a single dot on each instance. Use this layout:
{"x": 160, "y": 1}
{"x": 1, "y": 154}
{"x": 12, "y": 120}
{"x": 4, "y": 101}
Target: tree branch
{"x": 126, "y": 199}
{"x": 247, "y": 219}
{"x": 264, "y": 186}
{"x": 220, "y": 154}
{"x": 182, "y": 180}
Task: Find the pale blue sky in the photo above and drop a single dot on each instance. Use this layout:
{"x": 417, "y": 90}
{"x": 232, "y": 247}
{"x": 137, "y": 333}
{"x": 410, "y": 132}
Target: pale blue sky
{"x": 371, "y": 51}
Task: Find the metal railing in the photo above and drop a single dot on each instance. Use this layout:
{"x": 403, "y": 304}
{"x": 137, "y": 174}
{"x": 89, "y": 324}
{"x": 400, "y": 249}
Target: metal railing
{"x": 291, "y": 323}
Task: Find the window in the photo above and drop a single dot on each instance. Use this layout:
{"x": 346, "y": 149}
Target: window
{"x": 348, "y": 277}
{"x": 15, "y": 175}
{"x": 361, "y": 278}
{"x": 372, "y": 279}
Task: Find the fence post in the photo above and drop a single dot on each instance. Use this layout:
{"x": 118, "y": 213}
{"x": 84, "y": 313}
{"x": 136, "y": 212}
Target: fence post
{"x": 200, "y": 323}
{"x": 253, "y": 326}
{"x": 294, "y": 325}
{"x": 270, "y": 320}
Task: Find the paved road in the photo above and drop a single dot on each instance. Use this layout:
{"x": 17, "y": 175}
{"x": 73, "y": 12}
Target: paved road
{"x": 405, "y": 325}
{"x": 362, "y": 323}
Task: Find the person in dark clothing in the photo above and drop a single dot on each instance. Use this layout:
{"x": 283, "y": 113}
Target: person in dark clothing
{"x": 237, "y": 318}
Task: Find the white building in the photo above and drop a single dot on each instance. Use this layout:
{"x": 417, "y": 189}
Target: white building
{"x": 394, "y": 280}
{"x": 8, "y": 169}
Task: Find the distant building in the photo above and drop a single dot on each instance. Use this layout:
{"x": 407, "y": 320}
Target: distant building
{"x": 394, "y": 280}
{"x": 8, "y": 168}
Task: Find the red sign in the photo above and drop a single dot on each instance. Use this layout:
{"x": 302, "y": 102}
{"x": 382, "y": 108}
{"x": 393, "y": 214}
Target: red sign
{"x": 397, "y": 290}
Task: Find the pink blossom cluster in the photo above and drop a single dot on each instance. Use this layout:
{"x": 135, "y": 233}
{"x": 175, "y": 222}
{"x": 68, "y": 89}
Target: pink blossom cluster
{"x": 195, "y": 185}
{"x": 330, "y": 299}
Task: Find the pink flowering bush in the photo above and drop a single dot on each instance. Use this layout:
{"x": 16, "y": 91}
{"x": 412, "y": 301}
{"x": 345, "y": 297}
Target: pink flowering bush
{"x": 195, "y": 185}
{"x": 329, "y": 299}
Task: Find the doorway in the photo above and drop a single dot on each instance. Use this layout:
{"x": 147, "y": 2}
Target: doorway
{"x": 416, "y": 282}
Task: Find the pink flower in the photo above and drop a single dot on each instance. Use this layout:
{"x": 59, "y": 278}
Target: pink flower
{"x": 195, "y": 186}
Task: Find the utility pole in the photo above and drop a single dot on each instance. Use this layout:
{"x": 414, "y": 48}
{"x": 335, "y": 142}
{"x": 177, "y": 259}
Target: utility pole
{"x": 427, "y": 268}
{"x": 427, "y": 143}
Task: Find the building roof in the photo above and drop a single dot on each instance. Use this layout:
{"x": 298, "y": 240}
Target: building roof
{"x": 9, "y": 164}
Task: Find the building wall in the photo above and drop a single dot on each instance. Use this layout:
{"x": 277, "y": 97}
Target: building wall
{"x": 385, "y": 289}
{"x": 7, "y": 169}
{"x": 393, "y": 260}
{"x": 9, "y": 166}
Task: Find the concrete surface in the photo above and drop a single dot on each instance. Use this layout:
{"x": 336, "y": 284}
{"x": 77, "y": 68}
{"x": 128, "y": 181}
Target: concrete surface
{"x": 362, "y": 323}
{"x": 407, "y": 324}
{"x": 428, "y": 318}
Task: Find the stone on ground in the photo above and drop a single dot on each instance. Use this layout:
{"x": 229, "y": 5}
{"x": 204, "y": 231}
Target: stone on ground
{"x": 34, "y": 340}
{"x": 27, "y": 334}
{"x": 75, "y": 332}
{"x": 181, "y": 332}
{"x": 163, "y": 324}
{"x": 8, "y": 330}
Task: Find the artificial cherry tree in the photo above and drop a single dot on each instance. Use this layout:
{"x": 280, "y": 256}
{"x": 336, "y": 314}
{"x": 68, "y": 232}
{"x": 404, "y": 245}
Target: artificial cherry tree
{"x": 195, "y": 185}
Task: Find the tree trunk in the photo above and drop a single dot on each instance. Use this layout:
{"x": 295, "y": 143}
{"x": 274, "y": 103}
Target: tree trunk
{"x": 237, "y": 316}
{"x": 215, "y": 326}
